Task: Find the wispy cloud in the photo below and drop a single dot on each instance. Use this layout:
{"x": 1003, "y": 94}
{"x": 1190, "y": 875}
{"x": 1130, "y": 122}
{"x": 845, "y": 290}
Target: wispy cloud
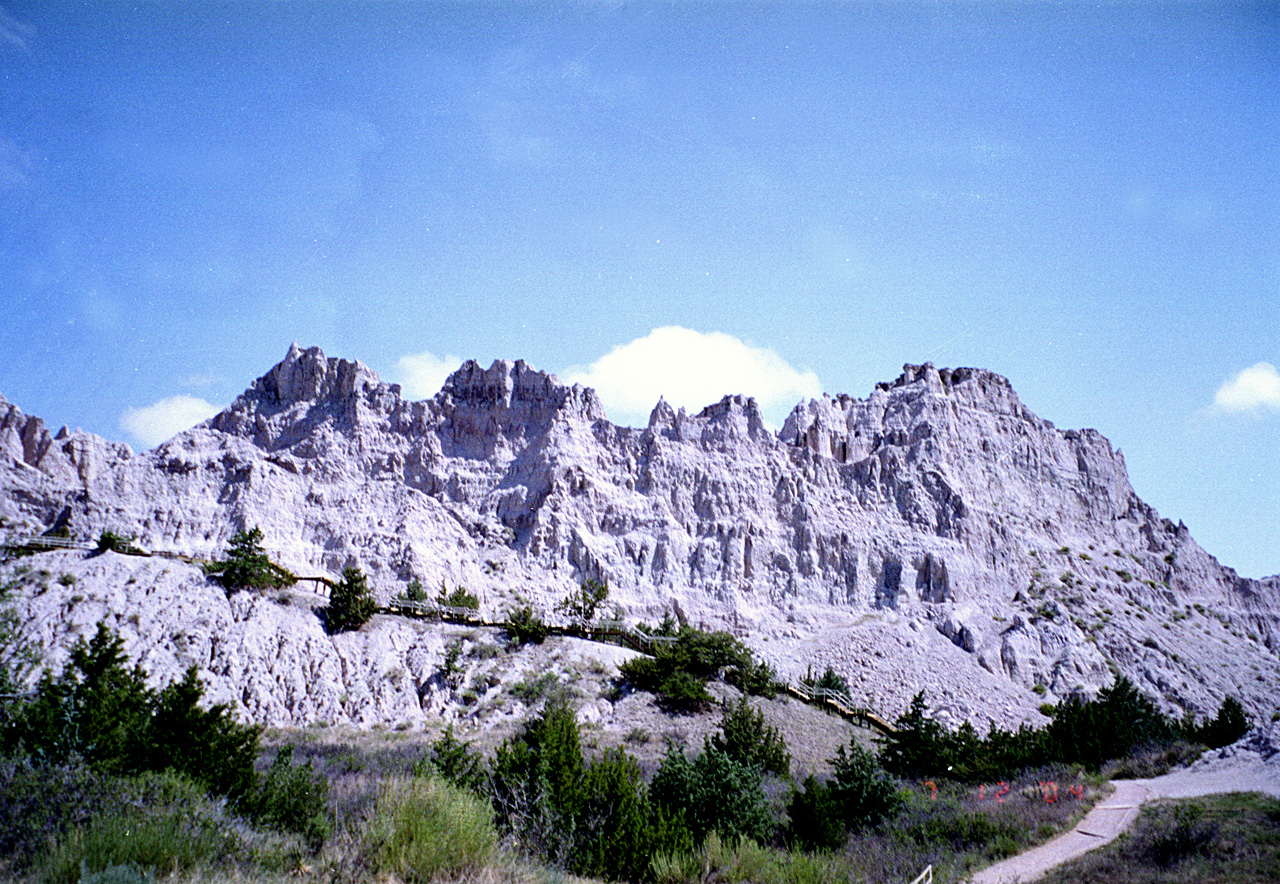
{"x": 1257, "y": 387}
{"x": 691, "y": 370}
{"x": 423, "y": 374}
{"x": 16, "y": 167}
{"x": 153, "y": 424}
{"x": 14, "y": 33}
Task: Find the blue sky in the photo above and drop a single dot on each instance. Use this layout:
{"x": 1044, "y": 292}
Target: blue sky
{"x": 778, "y": 198}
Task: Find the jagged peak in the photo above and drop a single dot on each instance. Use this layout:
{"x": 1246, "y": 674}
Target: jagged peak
{"x": 506, "y": 384}
{"x": 944, "y": 379}
{"x": 662, "y": 415}
{"x": 306, "y": 375}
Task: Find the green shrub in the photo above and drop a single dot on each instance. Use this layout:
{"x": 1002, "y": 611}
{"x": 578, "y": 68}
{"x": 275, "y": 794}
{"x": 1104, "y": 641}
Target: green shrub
{"x": 814, "y": 822}
{"x": 351, "y": 604}
{"x": 415, "y": 592}
{"x": 944, "y": 826}
{"x": 1230, "y": 724}
{"x": 524, "y": 626}
{"x": 109, "y": 541}
{"x": 454, "y": 760}
{"x": 861, "y": 792}
{"x": 614, "y": 834}
{"x": 537, "y": 784}
{"x": 40, "y": 801}
{"x": 292, "y": 798}
{"x": 714, "y": 793}
{"x": 917, "y": 746}
{"x": 830, "y": 680}
{"x": 459, "y": 598}
{"x": 754, "y": 677}
{"x": 1116, "y": 724}
{"x": 534, "y": 688}
{"x": 424, "y": 828}
{"x": 679, "y": 671}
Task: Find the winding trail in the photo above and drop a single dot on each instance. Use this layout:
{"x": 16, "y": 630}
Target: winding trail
{"x": 1116, "y": 813}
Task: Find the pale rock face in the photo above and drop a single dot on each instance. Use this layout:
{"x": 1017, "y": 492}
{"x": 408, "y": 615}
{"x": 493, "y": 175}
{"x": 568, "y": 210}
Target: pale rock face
{"x": 934, "y": 536}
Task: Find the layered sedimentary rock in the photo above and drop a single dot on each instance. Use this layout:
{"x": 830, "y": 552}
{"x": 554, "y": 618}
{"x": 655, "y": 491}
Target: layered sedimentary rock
{"x": 935, "y": 535}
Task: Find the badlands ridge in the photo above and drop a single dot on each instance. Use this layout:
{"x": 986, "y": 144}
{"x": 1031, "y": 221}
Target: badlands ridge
{"x": 936, "y": 535}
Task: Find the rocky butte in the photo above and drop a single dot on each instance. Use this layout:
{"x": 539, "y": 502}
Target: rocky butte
{"x": 935, "y": 535}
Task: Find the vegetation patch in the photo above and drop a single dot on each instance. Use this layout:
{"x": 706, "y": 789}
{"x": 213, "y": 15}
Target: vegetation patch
{"x": 1232, "y": 838}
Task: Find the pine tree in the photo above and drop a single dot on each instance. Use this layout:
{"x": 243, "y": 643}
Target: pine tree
{"x": 351, "y": 604}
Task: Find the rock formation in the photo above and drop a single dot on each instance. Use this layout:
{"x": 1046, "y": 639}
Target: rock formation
{"x": 936, "y": 535}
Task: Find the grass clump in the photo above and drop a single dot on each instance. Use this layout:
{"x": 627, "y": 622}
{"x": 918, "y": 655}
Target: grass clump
{"x": 742, "y": 861}
{"x": 424, "y": 827}
{"x": 161, "y": 824}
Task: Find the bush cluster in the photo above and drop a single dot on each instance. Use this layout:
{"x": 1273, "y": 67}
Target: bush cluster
{"x": 1118, "y": 723}
{"x": 93, "y": 735}
{"x": 678, "y": 671}
{"x": 524, "y": 626}
{"x": 599, "y": 818}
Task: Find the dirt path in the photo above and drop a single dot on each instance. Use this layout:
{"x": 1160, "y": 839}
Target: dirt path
{"x": 1114, "y": 814}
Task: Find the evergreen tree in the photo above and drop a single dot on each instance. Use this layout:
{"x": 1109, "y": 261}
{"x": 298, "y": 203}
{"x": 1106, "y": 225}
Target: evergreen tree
{"x": 861, "y": 792}
{"x": 715, "y": 793}
{"x": 1230, "y": 724}
{"x": 815, "y": 822}
{"x": 917, "y": 747}
{"x": 746, "y": 737}
{"x": 615, "y": 836}
{"x": 351, "y": 604}
{"x": 247, "y": 565}
{"x": 102, "y": 711}
{"x": 582, "y": 604}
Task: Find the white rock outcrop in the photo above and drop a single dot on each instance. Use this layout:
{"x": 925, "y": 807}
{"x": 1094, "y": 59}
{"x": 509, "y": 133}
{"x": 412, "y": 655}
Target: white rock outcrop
{"x": 936, "y": 535}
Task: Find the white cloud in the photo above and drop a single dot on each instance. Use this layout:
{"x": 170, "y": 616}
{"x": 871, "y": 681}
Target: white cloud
{"x": 1256, "y": 387}
{"x": 692, "y": 370}
{"x": 153, "y": 424}
{"x": 423, "y": 374}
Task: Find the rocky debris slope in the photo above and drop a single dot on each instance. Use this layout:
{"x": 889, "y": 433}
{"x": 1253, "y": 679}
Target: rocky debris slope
{"x": 936, "y": 535}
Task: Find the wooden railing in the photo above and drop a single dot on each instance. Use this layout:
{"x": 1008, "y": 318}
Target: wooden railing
{"x": 925, "y": 877}
{"x": 40, "y": 541}
{"x": 843, "y": 704}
